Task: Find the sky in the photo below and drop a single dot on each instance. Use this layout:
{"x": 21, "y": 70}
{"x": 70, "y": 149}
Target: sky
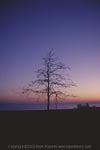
{"x": 30, "y": 28}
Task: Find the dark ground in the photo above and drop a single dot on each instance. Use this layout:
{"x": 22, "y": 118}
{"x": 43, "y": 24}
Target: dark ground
{"x": 50, "y": 127}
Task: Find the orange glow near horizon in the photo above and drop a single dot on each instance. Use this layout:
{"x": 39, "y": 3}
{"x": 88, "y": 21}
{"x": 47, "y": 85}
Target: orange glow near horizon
{"x": 28, "y": 98}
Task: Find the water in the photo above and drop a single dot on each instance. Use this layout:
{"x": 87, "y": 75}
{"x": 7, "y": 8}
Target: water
{"x": 42, "y": 105}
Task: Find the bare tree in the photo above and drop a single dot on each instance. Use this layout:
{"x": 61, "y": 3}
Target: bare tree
{"x": 52, "y": 79}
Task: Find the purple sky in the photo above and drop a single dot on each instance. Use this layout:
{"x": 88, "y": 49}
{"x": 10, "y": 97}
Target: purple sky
{"x": 30, "y": 28}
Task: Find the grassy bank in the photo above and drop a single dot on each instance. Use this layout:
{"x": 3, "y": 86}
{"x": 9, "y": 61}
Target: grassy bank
{"x": 53, "y": 123}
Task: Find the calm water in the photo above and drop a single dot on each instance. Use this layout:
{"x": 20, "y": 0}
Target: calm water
{"x": 42, "y": 106}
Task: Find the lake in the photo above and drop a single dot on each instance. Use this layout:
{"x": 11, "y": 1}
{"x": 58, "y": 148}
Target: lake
{"x": 43, "y": 105}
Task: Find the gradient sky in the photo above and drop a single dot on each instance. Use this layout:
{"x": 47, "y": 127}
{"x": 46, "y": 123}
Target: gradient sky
{"x": 30, "y": 28}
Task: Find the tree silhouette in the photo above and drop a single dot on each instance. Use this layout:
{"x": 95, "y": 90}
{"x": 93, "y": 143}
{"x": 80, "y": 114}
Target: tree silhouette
{"x": 52, "y": 79}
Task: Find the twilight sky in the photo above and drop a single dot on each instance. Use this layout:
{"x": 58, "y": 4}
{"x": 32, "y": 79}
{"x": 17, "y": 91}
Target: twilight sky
{"x": 30, "y": 28}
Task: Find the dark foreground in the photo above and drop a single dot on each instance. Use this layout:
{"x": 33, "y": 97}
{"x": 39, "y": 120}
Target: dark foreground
{"x": 50, "y": 127}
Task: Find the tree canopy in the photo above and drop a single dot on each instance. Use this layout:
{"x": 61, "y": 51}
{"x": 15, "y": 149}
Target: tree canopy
{"x": 52, "y": 79}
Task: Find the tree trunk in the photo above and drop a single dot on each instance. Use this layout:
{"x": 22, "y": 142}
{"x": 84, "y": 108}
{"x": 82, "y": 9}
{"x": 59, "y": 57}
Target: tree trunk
{"x": 48, "y": 92}
{"x": 48, "y": 105}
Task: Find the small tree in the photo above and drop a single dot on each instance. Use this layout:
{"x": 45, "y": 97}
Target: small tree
{"x": 51, "y": 79}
